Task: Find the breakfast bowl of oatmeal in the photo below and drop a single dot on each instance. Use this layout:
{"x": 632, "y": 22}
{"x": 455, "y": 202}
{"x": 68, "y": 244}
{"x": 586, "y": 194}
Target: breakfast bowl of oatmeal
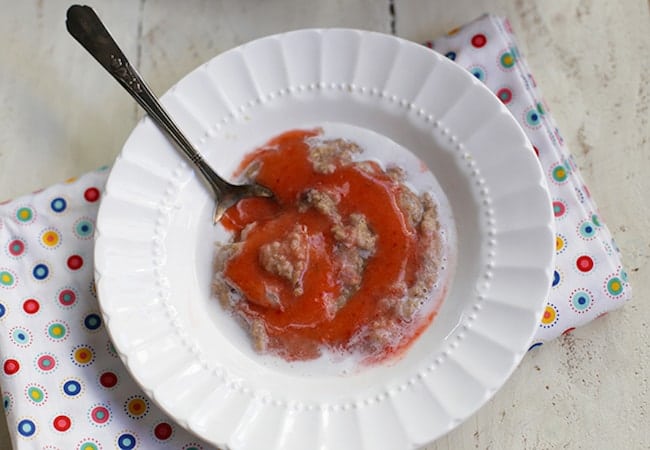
{"x": 349, "y": 260}
{"x": 385, "y": 292}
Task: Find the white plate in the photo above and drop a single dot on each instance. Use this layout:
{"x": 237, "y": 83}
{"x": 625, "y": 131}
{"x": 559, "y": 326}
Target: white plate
{"x": 155, "y": 242}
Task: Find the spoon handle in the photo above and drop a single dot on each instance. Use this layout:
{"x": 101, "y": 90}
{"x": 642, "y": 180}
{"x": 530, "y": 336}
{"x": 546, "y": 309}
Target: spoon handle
{"x": 86, "y": 27}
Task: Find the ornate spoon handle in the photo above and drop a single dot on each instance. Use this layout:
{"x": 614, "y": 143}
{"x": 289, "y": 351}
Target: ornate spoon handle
{"x": 86, "y": 27}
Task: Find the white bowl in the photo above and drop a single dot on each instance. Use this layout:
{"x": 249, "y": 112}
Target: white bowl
{"x": 154, "y": 245}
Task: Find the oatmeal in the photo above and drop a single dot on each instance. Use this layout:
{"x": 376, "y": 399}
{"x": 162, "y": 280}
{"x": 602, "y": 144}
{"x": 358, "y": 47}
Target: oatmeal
{"x": 345, "y": 258}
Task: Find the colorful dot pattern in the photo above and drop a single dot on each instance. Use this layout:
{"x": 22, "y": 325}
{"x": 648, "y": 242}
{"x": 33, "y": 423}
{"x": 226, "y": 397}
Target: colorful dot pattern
{"x": 63, "y": 385}
{"x": 587, "y": 281}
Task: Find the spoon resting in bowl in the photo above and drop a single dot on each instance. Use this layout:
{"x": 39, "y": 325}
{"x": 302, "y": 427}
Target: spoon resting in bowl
{"x": 86, "y": 27}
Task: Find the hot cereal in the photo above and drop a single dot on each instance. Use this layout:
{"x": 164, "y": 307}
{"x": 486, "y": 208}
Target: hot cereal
{"x": 346, "y": 258}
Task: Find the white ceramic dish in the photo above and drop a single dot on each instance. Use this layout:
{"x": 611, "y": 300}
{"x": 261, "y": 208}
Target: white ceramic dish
{"x": 155, "y": 242}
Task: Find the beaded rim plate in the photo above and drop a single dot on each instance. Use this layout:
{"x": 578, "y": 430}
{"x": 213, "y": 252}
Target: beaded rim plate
{"x": 154, "y": 245}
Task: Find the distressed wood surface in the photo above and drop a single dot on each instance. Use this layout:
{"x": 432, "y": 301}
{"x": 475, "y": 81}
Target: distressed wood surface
{"x": 61, "y": 115}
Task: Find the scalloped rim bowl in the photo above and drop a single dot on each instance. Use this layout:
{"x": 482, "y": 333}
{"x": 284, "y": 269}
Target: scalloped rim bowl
{"x": 154, "y": 245}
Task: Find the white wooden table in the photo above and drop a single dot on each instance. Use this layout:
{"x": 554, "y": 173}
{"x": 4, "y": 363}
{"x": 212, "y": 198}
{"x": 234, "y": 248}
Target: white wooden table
{"x": 61, "y": 115}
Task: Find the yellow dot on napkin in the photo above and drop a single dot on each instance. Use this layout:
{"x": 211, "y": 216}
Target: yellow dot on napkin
{"x": 549, "y": 315}
{"x": 137, "y": 407}
{"x": 83, "y": 355}
{"x": 50, "y": 238}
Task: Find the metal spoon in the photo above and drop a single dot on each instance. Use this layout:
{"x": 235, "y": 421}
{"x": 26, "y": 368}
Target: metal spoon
{"x": 86, "y": 27}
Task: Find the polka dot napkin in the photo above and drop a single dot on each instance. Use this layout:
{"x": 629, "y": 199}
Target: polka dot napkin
{"x": 589, "y": 279}
{"x": 64, "y": 386}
